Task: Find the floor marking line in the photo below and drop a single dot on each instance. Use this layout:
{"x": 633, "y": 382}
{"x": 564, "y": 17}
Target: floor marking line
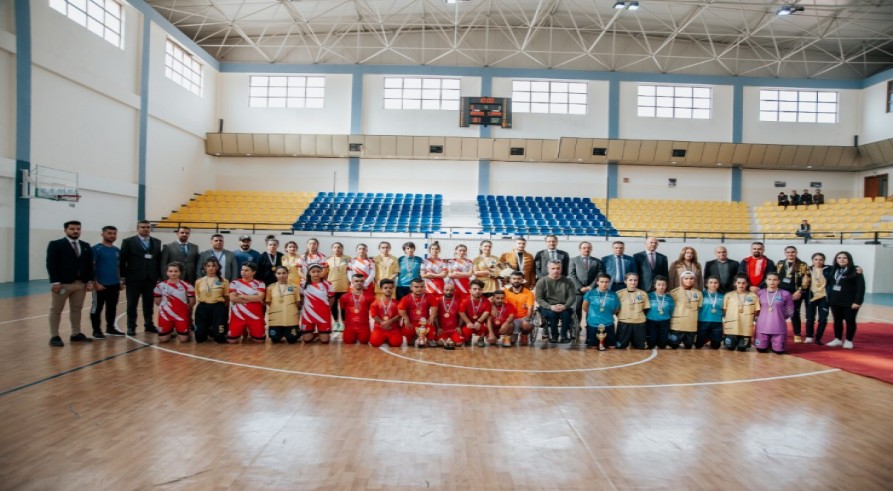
{"x": 71, "y": 370}
{"x": 447, "y": 365}
{"x": 47, "y": 315}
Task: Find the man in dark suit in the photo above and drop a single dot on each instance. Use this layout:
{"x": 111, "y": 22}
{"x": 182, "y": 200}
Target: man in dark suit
{"x": 183, "y": 251}
{"x": 584, "y": 269}
{"x": 70, "y": 268}
{"x": 550, "y": 253}
{"x": 650, "y": 263}
{"x": 723, "y": 268}
{"x": 229, "y": 267}
{"x": 617, "y": 265}
{"x": 140, "y": 266}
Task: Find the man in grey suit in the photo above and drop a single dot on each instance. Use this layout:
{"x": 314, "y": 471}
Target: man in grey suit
{"x": 550, "y": 253}
{"x": 139, "y": 268}
{"x": 583, "y": 271}
{"x": 183, "y": 251}
{"x": 650, "y": 263}
{"x": 722, "y": 268}
{"x": 229, "y": 268}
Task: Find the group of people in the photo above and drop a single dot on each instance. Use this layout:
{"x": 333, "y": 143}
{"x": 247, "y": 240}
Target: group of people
{"x": 804, "y": 199}
{"x": 618, "y": 301}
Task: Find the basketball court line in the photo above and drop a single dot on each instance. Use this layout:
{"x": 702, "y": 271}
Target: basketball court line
{"x": 568, "y": 370}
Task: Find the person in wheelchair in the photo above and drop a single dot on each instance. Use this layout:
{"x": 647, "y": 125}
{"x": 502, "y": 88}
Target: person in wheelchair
{"x": 555, "y": 296}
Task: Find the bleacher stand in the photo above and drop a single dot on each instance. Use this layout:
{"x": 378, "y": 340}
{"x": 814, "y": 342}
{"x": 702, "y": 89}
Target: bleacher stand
{"x": 538, "y": 215}
{"x": 373, "y": 212}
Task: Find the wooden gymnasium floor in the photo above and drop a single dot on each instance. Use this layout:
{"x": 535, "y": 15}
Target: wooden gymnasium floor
{"x": 121, "y": 414}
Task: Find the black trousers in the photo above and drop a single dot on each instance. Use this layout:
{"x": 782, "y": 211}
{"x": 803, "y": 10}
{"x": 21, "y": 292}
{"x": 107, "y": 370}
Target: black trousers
{"x": 211, "y": 322}
{"x": 108, "y": 299}
{"x": 841, "y": 314}
{"x": 819, "y": 309}
{"x": 140, "y": 290}
{"x": 337, "y": 313}
{"x": 795, "y": 319}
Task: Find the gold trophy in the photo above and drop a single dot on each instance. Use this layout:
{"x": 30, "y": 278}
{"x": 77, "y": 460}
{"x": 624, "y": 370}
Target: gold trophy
{"x": 601, "y": 337}
{"x": 422, "y": 332}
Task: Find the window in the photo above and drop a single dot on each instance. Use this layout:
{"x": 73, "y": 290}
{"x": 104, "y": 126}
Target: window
{"x": 182, "y": 67}
{"x": 421, "y": 93}
{"x": 101, "y": 17}
{"x": 291, "y": 91}
{"x": 890, "y": 96}
{"x": 674, "y": 101}
{"x": 546, "y": 97}
{"x": 798, "y": 106}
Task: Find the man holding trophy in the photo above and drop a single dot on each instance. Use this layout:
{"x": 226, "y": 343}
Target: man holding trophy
{"x": 599, "y": 307}
{"x": 418, "y": 311}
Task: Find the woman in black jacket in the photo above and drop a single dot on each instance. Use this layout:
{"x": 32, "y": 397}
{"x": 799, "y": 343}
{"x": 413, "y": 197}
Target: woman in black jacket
{"x": 845, "y": 296}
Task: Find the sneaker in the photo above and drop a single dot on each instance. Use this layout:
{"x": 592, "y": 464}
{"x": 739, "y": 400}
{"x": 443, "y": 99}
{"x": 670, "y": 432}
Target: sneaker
{"x": 131, "y": 332}
{"x": 835, "y": 343}
{"x": 798, "y": 339}
{"x": 98, "y": 335}
{"x": 480, "y": 343}
{"x": 80, "y": 338}
{"x": 809, "y": 340}
{"x": 113, "y": 332}
{"x": 847, "y": 345}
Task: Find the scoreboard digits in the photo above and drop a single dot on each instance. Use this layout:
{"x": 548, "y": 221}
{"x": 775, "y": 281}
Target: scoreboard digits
{"x": 486, "y": 111}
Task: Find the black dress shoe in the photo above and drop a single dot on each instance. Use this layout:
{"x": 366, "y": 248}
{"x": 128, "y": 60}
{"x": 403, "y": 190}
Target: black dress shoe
{"x": 131, "y": 332}
{"x": 564, "y": 341}
{"x": 80, "y": 338}
{"x": 152, "y": 329}
{"x": 553, "y": 340}
{"x": 56, "y": 341}
{"x": 113, "y": 332}
{"x": 98, "y": 335}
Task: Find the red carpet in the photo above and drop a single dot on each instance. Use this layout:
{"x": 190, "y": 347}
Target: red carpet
{"x": 872, "y": 356}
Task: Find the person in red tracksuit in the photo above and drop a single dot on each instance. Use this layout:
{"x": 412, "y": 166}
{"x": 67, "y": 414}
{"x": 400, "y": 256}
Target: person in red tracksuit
{"x": 355, "y": 307}
{"x": 448, "y": 319}
{"x": 417, "y": 308}
{"x": 502, "y": 320}
{"x": 386, "y": 317}
{"x": 475, "y": 310}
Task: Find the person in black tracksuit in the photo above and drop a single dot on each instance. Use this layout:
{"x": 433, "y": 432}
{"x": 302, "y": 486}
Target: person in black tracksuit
{"x": 845, "y": 297}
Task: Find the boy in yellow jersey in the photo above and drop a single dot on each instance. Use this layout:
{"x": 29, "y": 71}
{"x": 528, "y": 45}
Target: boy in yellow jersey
{"x": 684, "y": 323}
{"x": 631, "y": 318}
{"x": 738, "y": 310}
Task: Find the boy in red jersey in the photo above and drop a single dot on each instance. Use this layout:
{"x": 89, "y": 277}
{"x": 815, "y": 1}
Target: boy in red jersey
{"x": 386, "y": 317}
{"x": 475, "y": 311}
{"x": 246, "y": 297}
{"x": 502, "y": 320}
{"x": 316, "y": 317}
{"x": 417, "y": 309}
{"x": 355, "y": 307}
{"x": 448, "y": 318}
{"x": 175, "y": 299}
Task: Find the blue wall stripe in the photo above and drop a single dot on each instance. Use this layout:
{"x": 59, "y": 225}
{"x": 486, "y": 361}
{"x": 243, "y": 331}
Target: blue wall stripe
{"x": 353, "y": 174}
{"x": 356, "y": 104}
{"x": 483, "y": 176}
{"x": 612, "y": 180}
{"x": 738, "y": 113}
{"x": 878, "y": 78}
{"x": 736, "y": 183}
{"x": 144, "y": 119}
{"x": 614, "y": 109}
{"x": 22, "y": 228}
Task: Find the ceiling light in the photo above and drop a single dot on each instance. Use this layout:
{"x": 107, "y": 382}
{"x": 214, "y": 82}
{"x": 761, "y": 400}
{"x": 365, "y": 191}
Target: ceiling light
{"x": 789, "y": 9}
{"x": 619, "y": 4}
{"x": 634, "y": 5}
{"x": 626, "y": 4}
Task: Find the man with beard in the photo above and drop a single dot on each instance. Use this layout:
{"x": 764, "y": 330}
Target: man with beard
{"x": 756, "y": 267}
{"x": 521, "y": 260}
{"x": 523, "y": 302}
{"x": 722, "y": 268}
{"x": 181, "y": 251}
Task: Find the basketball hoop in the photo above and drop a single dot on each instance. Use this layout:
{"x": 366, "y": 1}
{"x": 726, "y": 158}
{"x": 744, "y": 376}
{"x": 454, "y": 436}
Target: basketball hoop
{"x": 71, "y": 198}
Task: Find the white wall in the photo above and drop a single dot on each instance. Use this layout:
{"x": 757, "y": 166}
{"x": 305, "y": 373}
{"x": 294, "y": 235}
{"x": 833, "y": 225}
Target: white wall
{"x": 594, "y": 124}
{"x": 7, "y": 216}
{"x": 759, "y": 185}
{"x": 380, "y": 121}
{"x": 548, "y": 179}
{"x": 877, "y": 123}
{"x": 841, "y": 133}
{"x": 716, "y": 129}
{"x": 7, "y": 95}
{"x": 232, "y": 107}
{"x": 456, "y": 180}
{"x": 279, "y": 174}
{"x": 692, "y": 183}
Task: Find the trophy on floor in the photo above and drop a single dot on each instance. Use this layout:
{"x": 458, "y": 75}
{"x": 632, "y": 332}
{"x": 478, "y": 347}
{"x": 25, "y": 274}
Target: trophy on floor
{"x": 448, "y": 344}
{"x": 422, "y": 332}
{"x": 601, "y": 337}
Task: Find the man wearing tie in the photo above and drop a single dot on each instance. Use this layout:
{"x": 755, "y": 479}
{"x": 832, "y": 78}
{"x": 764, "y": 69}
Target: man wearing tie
{"x": 650, "y": 263}
{"x": 183, "y": 251}
{"x": 521, "y": 260}
{"x": 550, "y": 253}
{"x": 140, "y": 267}
{"x": 70, "y": 268}
{"x": 617, "y": 265}
{"x": 229, "y": 268}
{"x": 584, "y": 270}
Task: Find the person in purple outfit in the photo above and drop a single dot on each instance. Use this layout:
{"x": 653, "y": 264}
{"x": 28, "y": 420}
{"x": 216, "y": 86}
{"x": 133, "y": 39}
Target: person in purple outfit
{"x": 777, "y": 306}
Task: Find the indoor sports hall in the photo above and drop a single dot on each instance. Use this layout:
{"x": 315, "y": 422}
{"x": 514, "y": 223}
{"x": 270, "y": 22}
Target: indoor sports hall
{"x": 710, "y": 126}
